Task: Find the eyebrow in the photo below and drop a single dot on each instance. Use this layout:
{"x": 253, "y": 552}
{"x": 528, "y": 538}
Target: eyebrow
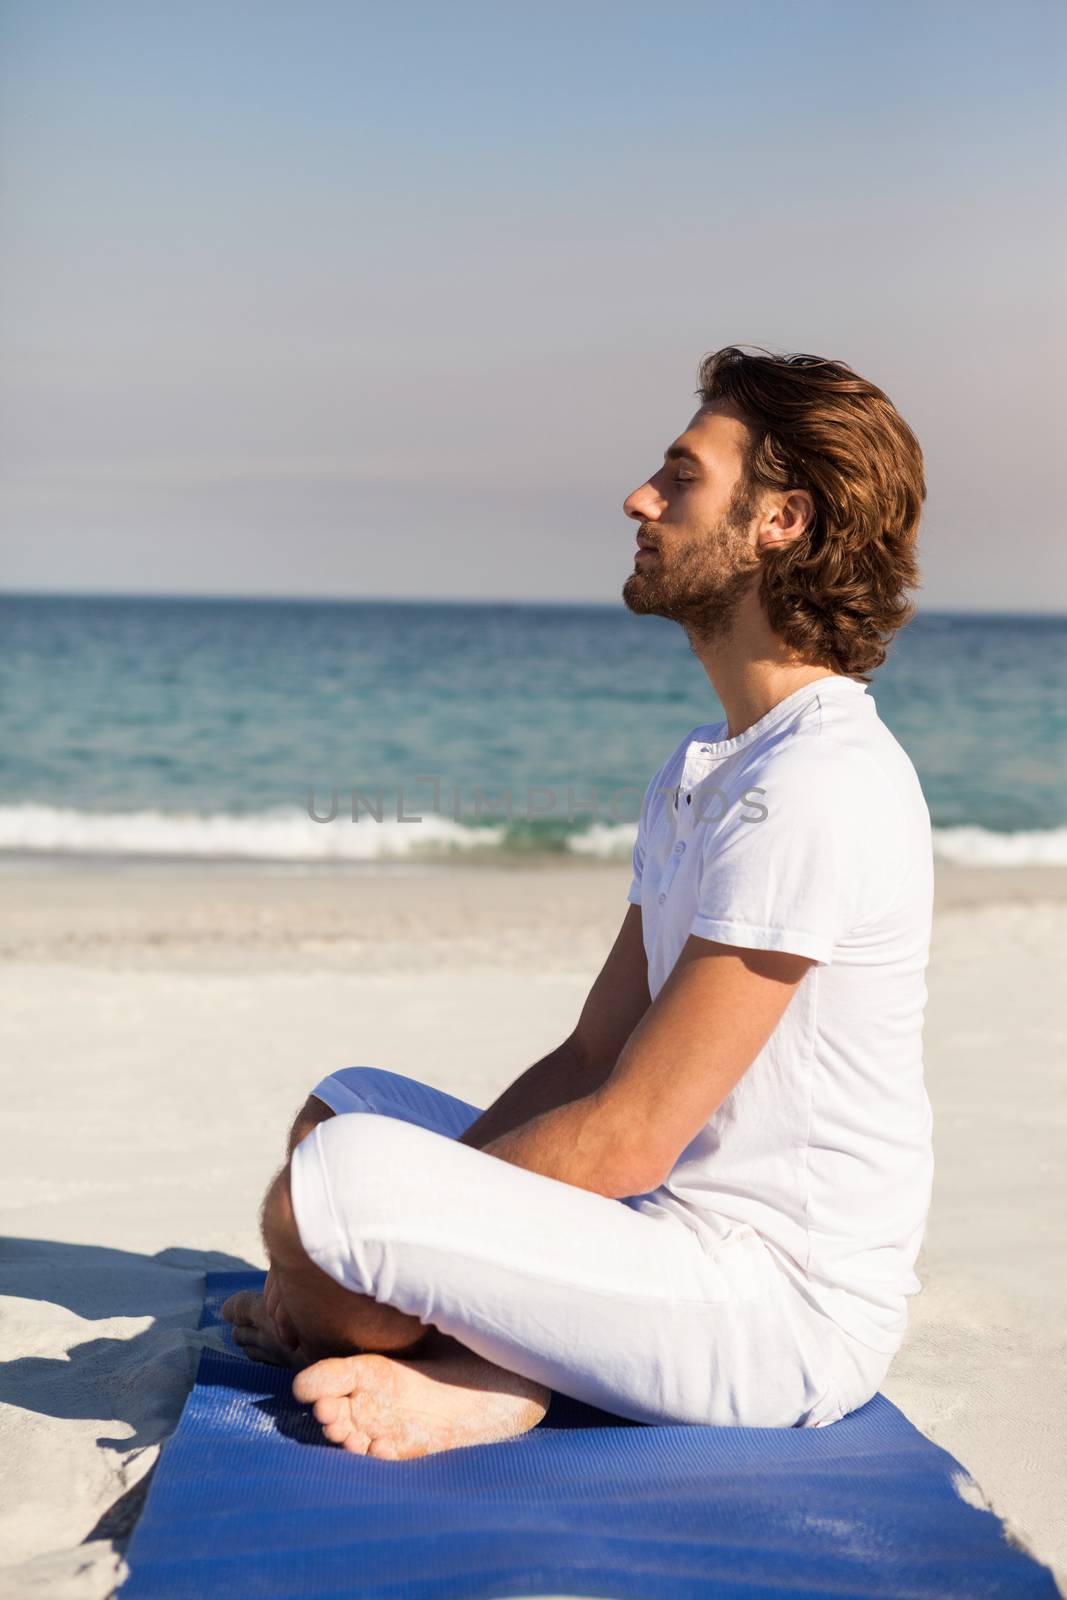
{"x": 678, "y": 452}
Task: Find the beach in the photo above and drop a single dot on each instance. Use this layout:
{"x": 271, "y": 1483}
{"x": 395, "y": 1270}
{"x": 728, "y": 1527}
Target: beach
{"x": 162, "y": 1021}
{"x": 415, "y": 454}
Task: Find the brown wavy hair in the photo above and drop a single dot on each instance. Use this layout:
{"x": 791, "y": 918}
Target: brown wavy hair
{"x": 837, "y": 594}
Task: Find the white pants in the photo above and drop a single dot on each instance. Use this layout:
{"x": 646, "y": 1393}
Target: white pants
{"x": 626, "y": 1309}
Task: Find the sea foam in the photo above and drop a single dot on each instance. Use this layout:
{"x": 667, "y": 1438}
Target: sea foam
{"x": 289, "y": 834}
{"x": 281, "y": 835}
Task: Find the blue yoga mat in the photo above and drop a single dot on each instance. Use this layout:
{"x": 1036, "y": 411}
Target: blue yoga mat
{"x": 248, "y": 1501}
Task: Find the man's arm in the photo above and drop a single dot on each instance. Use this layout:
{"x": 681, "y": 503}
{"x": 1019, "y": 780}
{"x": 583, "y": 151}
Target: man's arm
{"x": 710, "y": 1020}
{"x": 615, "y": 1005}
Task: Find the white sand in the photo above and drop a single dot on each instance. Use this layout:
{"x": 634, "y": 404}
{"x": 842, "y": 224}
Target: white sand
{"x": 159, "y": 1026}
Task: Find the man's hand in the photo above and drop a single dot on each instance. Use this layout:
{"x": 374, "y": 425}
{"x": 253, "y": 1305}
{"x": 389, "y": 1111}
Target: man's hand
{"x": 575, "y": 1144}
{"x": 708, "y": 1023}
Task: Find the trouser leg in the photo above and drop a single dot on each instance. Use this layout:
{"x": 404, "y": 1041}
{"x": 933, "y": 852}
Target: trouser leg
{"x": 627, "y": 1310}
{"x": 391, "y": 1094}
{"x": 331, "y": 1319}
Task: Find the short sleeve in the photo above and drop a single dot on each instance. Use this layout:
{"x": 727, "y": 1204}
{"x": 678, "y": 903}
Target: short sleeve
{"x": 785, "y": 867}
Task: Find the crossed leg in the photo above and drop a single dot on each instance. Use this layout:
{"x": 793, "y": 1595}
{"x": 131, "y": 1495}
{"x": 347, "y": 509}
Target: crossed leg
{"x": 430, "y": 1293}
{"x": 263, "y": 1324}
{"x": 380, "y": 1382}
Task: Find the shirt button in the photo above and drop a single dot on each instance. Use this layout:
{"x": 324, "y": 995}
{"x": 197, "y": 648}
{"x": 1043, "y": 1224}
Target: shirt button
{"x": 679, "y": 849}
{"x": 661, "y": 898}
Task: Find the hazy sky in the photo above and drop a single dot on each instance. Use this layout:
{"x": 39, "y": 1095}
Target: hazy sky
{"x": 350, "y": 299}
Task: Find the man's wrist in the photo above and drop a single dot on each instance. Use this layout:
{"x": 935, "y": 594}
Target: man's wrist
{"x": 555, "y": 1080}
{"x": 574, "y": 1144}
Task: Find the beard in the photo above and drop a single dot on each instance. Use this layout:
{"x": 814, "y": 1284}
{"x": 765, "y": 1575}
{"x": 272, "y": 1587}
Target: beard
{"x": 702, "y": 584}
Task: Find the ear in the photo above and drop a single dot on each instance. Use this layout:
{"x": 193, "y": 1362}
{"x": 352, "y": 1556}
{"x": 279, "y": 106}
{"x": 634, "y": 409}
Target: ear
{"x": 788, "y": 517}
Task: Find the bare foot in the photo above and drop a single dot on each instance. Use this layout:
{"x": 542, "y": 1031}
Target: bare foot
{"x": 375, "y": 1405}
{"x": 257, "y": 1334}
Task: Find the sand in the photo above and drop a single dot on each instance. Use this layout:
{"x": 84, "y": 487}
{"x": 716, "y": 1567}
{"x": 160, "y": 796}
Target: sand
{"x": 160, "y": 1023}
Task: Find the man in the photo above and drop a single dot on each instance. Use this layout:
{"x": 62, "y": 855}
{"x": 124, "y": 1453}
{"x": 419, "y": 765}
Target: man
{"x": 705, "y": 1205}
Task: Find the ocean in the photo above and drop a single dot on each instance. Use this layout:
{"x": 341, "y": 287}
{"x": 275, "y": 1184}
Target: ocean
{"x": 308, "y": 731}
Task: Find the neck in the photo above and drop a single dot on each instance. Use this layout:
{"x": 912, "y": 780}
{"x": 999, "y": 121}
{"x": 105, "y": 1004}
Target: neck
{"x": 751, "y": 670}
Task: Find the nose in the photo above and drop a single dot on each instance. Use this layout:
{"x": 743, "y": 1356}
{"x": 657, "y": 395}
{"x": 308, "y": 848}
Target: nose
{"x": 644, "y": 505}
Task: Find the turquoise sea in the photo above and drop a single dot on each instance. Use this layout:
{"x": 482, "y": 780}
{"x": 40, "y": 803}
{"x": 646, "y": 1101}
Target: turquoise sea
{"x": 213, "y": 728}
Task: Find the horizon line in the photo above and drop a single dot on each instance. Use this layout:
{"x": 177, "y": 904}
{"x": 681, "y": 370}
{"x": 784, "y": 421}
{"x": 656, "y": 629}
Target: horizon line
{"x": 214, "y": 598}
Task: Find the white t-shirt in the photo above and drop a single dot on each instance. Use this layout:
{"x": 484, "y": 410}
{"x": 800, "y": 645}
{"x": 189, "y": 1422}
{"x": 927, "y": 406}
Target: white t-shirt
{"x": 808, "y": 833}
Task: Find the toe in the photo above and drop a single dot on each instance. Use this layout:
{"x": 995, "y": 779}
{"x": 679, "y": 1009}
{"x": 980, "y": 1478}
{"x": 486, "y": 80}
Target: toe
{"x": 248, "y": 1333}
{"x": 339, "y": 1426}
{"x": 338, "y": 1432}
{"x": 335, "y": 1376}
{"x": 261, "y": 1352}
{"x": 238, "y": 1308}
{"x": 328, "y": 1409}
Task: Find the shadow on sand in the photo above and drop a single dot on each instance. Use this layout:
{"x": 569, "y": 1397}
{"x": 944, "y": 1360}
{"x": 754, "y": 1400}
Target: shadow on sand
{"x": 138, "y": 1378}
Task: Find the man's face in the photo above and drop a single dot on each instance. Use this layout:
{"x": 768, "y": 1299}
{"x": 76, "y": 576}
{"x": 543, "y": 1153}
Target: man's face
{"x": 698, "y": 558}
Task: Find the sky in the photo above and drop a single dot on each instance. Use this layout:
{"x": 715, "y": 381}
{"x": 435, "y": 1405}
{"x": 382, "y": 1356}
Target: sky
{"x": 363, "y": 301}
